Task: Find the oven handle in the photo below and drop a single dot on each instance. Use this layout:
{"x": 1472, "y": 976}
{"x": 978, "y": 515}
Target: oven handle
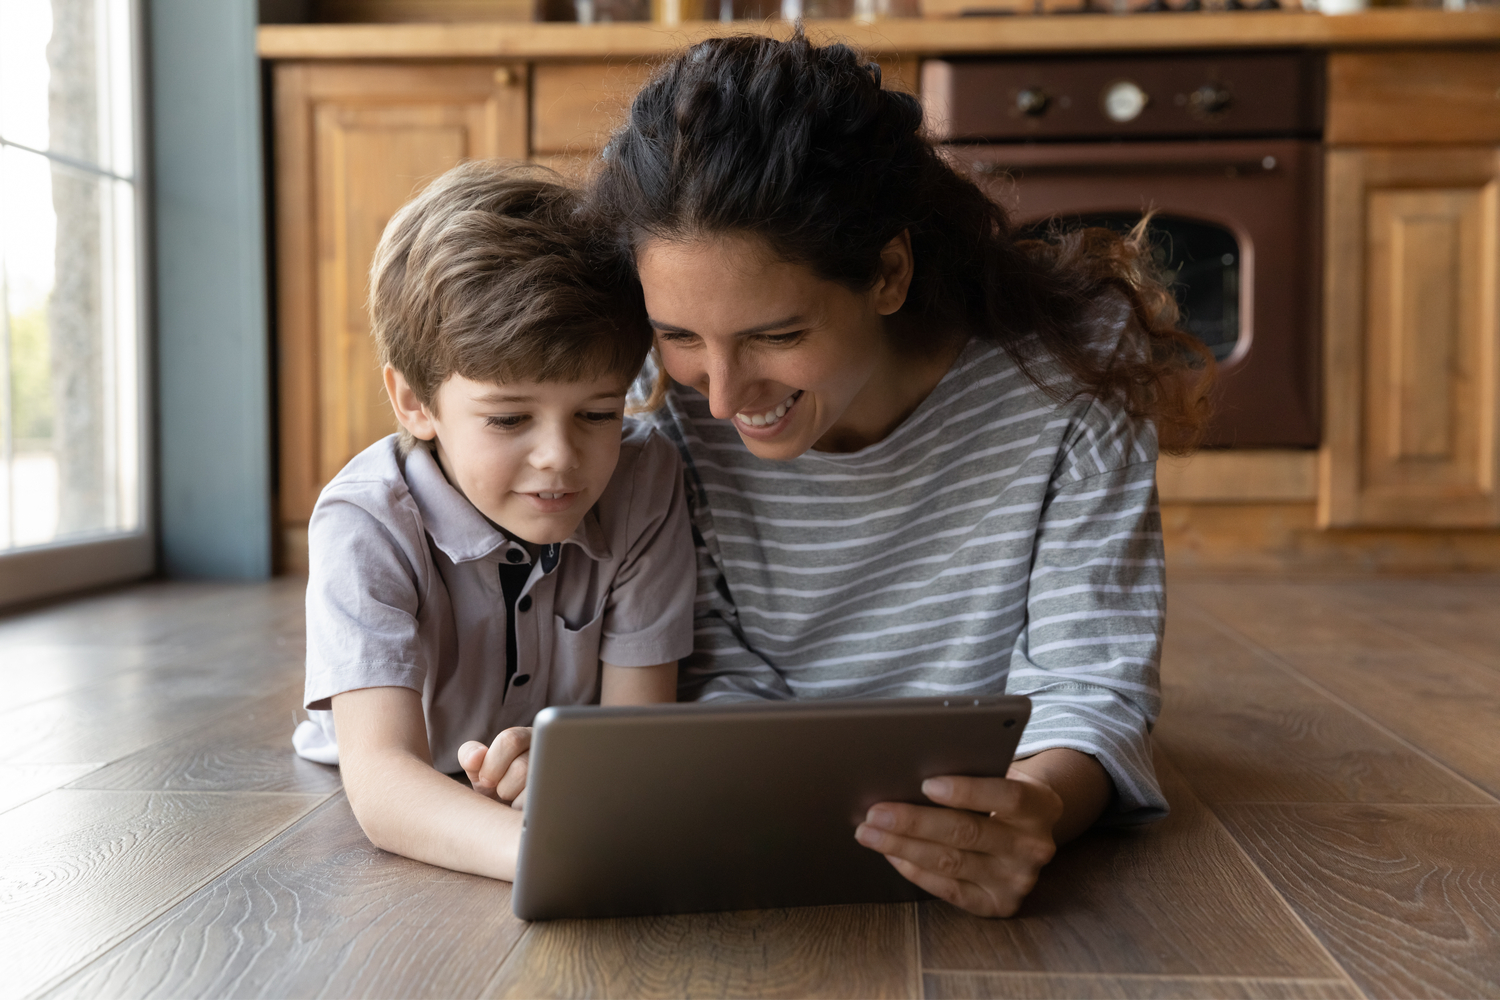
{"x": 1228, "y": 167}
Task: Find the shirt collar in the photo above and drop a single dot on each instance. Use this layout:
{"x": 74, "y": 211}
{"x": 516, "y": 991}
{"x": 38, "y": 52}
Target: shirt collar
{"x": 464, "y": 535}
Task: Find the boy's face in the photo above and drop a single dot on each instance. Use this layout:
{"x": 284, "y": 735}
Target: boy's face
{"x": 533, "y": 457}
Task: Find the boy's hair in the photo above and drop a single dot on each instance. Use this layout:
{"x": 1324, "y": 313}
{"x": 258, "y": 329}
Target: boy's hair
{"x": 493, "y": 273}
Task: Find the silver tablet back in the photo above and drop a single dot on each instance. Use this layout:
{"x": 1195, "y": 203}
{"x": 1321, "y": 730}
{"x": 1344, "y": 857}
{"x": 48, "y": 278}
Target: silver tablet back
{"x": 684, "y": 808}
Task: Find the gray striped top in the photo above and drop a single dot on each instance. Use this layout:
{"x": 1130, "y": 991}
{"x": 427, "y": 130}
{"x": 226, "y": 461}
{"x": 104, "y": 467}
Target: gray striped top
{"x": 996, "y": 541}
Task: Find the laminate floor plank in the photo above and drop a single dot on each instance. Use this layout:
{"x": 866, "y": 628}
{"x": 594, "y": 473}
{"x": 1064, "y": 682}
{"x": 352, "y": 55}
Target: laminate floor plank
{"x": 1406, "y": 897}
{"x": 131, "y": 711}
{"x": 1461, "y": 617}
{"x": 1242, "y": 728}
{"x": 318, "y": 912}
{"x": 163, "y": 613}
{"x": 37, "y": 672}
{"x": 819, "y": 951}
{"x": 1280, "y": 613}
{"x": 23, "y": 782}
{"x": 1447, "y": 705}
{"x": 1030, "y": 986}
{"x": 249, "y": 750}
{"x": 79, "y": 870}
{"x": 1175, "y": 899}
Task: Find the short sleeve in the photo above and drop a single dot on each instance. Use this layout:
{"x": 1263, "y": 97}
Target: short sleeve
{"x": 362, "y": 602}
{"x": 648, "y": 617}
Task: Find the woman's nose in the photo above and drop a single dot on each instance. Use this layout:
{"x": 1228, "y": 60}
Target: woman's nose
{"x": 724, "y": 383}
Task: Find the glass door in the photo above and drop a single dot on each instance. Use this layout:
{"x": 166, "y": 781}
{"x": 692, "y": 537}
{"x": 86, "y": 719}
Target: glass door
{"x": 73, "y": 488}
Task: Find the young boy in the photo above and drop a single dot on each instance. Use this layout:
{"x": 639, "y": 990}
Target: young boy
{"x": 519, "y": 544}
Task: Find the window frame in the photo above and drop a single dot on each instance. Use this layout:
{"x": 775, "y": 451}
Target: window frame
{"x": 35, "y": 572}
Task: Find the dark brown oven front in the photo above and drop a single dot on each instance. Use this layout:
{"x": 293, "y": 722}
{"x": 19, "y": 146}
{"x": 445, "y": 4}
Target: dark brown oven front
{"x": 1236, "y": 217}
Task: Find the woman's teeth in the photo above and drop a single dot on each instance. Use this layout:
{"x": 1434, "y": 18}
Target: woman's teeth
{"x": 770, "y": 416}
{"x": 551, "y": 496}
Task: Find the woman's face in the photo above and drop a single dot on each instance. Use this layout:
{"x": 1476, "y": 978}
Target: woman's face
{"x": 792, "y": 360}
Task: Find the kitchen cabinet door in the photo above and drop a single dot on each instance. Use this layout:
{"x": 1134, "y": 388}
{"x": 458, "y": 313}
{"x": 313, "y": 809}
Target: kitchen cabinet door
{"x": 354, "y": 142}
{"x": 1410, "y": 430}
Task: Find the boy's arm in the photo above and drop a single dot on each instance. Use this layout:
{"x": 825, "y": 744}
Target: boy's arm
{"x": 638, "y": 685}
{"x": 403, "y": 804}
{"x": 499, "y": 771}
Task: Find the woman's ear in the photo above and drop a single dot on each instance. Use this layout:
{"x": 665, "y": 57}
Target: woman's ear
{"x": 896, "y": 265}
{"x": 411, "y": 413}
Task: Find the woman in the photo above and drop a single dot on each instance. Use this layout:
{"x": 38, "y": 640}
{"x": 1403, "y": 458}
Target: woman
{"x": 921, "y": 450}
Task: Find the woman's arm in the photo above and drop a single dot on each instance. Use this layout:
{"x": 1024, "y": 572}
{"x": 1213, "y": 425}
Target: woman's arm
{"x": 403, "y": 804}
{"x": 1087, "y": 658}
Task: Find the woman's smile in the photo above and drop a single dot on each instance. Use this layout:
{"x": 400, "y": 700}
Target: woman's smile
{"x": 767, "y": 423}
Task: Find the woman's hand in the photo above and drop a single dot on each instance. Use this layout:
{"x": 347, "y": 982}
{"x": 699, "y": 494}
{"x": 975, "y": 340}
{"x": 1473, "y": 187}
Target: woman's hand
{"x": 984, "y": 849}
{"x": 499, "y": 770}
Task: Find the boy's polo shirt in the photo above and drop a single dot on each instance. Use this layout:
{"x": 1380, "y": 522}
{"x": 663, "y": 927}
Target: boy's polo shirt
{"x": 404, "y": 591}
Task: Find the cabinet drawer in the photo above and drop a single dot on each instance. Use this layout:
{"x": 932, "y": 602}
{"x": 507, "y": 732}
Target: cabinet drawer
{"x": 1414, "y": 96}
{"x": 575, "y": 106}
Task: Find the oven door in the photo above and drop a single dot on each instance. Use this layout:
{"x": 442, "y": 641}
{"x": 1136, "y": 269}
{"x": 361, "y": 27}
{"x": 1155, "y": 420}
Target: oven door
{"x": 1237, "y": 230}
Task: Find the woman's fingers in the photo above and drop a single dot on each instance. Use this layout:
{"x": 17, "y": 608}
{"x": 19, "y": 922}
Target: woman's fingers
{"x": 941, "y": 857}
{"x": 966, "y": 895}
{"x": 1019, "y": 799}
{"x": 981, "y": 847}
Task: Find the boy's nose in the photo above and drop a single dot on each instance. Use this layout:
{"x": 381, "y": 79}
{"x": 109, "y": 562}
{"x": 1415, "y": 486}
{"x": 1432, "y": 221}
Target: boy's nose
{"x": 555, "y": 452}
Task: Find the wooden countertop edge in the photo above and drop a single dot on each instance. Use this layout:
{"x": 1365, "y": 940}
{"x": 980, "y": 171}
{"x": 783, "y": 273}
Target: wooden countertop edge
{"x": 1241, "y": 29}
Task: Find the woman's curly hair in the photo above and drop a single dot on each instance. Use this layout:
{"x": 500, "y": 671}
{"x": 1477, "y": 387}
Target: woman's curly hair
{"x": 799, "y": 145}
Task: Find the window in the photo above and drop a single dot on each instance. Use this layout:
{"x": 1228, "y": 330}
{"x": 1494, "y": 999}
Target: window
{"x": 72, "y": 457}
{"x": 1201, "y": 262}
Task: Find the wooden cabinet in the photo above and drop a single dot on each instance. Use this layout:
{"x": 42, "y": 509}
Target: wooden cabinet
{"x": 1411, "y": 326}
{"x": 354, "y": 142}
{"x": 1411, "y": 430}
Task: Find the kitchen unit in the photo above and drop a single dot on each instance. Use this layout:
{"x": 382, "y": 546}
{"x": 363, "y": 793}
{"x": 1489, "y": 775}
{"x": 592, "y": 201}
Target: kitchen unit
{"x": 1402, "y": 474}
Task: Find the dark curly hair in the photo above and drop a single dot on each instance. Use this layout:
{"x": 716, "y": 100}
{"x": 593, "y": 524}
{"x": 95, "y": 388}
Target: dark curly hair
{"x": 799, "y": 145}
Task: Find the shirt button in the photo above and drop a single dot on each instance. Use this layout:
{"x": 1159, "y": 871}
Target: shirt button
{"x": 524, "y": 604}
{"x": 520, "y": 680}
{"x": 514, "y": 555}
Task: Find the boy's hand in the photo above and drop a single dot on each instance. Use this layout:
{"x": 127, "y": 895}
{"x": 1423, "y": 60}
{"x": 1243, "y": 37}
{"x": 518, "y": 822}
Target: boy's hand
{"x": 984, "y": 863}
{"x": 499, "y": 770}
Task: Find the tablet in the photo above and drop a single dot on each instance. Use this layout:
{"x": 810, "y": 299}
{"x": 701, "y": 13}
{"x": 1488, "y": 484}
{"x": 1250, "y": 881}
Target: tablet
{"x": 687, "y": 808}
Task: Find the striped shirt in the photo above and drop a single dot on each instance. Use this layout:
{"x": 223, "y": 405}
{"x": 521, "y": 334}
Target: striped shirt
{"x": 996, "y": 541}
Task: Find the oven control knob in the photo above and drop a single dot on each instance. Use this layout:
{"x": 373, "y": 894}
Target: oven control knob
{"x": 1032, "y": 102}
{"x": 1124, "y": 101}
{"x": 1209, "y": 100}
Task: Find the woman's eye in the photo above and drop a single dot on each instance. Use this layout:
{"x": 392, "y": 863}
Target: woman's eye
{"x": 676, "y": 339}
{"x": 508, "y": 422}
{"x": 601, "y": 416}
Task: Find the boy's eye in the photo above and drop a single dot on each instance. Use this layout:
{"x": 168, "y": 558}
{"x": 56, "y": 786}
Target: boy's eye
{"x": 781, "y": 339}
{"x": 600, "y": 416}
{"x": 507, "y": 422}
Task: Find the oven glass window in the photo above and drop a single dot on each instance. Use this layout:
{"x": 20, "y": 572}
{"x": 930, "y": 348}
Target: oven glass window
{"x": 1201, "y": 262}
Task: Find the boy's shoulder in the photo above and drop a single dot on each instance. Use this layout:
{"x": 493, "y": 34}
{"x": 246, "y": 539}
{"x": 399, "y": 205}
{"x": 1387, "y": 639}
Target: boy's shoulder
{"x": 372, "y": 485}
{"x": 645, "y": 482}
{"x": 374, "y": 476}
{"x": 648, "y": 459}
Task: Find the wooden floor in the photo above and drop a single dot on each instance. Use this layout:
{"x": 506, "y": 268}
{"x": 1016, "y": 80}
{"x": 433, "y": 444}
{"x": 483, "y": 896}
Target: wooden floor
{"x": 1331, "y": 751}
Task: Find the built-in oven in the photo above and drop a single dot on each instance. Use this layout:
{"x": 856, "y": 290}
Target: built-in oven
{"x": 1224, "y": 150}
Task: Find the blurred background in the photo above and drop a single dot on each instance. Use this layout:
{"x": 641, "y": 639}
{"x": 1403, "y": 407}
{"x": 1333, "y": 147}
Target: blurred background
{"x": 190, "y": 192}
